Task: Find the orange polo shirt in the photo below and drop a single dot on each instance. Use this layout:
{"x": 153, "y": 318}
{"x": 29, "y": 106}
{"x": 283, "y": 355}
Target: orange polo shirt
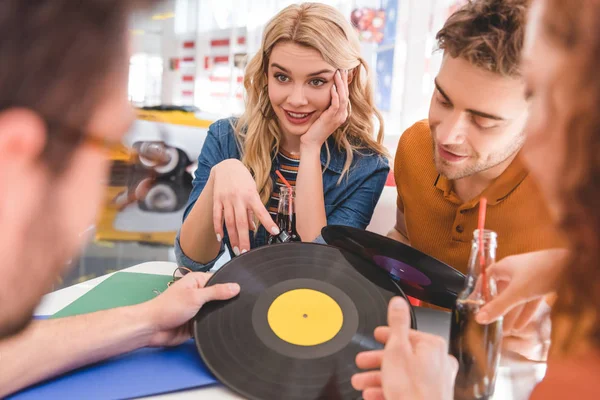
{"x": 440, "y": 224}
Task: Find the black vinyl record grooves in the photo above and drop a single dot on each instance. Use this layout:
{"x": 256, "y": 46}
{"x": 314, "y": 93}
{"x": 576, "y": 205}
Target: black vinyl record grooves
{"x": 303, "y": 314}
{"x": 419, "y": 275}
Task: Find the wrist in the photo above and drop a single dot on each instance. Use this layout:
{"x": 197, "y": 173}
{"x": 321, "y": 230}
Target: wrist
{"x": 146, "y": 322}
{"x": 310, "y": 149}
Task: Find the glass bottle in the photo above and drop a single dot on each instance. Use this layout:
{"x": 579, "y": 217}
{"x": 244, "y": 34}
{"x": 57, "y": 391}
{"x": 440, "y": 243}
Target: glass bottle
{"x": 286, "y": 217}
{"x": 476, "y": 347}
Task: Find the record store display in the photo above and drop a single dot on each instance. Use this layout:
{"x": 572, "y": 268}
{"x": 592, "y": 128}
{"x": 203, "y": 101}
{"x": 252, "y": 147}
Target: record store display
{"x": 419, "y": 275}
{"x": 303, "y": 314}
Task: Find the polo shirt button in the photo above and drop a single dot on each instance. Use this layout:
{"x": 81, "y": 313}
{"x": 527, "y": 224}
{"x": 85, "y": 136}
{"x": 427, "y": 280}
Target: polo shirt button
{"x": 460, "y": 229}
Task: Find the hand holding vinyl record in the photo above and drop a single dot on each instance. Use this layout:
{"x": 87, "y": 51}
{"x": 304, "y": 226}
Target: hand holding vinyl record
{"x": 169, "y": 313}
{"x": 406, "y": 362}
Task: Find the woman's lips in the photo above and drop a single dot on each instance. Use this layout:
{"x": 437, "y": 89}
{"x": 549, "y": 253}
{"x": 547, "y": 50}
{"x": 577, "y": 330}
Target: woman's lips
{"x": 297, "y": 118}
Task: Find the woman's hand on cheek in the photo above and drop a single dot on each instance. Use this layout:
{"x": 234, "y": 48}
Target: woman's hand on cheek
{"x": 332, "y": 118}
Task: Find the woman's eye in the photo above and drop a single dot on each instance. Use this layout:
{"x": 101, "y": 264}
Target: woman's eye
{"x": 281, "y": 78}
{"x": 317, "y": 82}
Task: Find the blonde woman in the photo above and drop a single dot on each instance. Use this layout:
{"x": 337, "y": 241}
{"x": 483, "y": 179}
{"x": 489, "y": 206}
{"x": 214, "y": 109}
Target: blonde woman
{"x": 309, "y": 114}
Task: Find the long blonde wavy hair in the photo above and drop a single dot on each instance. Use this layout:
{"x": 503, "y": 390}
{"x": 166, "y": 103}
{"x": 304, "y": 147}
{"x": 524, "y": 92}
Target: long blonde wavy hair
{"x": 323, "y": 28}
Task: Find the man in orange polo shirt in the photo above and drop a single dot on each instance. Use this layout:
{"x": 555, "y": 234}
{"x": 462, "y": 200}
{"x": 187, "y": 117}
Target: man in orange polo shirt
{"x": 469, "y": 149}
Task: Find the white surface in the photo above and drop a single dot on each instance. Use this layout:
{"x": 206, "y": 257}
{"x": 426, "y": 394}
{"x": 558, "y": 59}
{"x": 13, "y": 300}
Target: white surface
{"x": 384, "y": 215}
{"x": 516, "y": 378}
{"x": 134, "y": 219}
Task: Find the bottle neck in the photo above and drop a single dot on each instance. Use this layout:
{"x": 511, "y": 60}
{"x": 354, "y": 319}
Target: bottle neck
{"x": 287, "y": 210}
{"x": 482, "y": 256}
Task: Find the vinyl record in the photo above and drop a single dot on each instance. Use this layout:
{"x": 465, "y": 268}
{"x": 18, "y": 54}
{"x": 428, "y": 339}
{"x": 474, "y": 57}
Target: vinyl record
{"x": 303, "y": 314}
{"x": 418, "y": 274}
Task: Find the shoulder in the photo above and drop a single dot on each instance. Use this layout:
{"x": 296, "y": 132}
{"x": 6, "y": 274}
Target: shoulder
{"x": 415, "y": 137}
{"x": 364, "y": 159}
{"x": 415, "y": 147}
{"x": 223, "y": 128}
{"x": 221, "y": 135}
{"x": 369, "y": 159}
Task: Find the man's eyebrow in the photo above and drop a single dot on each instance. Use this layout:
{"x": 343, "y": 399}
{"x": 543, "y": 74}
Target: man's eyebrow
{"x": 486, "y": 115}
{"x": 470, "y": 111}
{"x": 437, "y": 86}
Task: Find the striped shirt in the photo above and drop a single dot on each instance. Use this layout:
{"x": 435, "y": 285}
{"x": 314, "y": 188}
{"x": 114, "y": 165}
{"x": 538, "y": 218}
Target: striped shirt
{"x": 288, "y": 166}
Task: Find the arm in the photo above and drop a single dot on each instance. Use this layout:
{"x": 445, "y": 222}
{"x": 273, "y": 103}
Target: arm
{"x": 48, "y": 348}
{"x": 398, "y": 232}
{"x": 41, "y": 351}
{"x": 197, "y": 237}
{"x": 224, "y": 192}
{"x": 310, "y": 202}
{"x": 197, "y": 243}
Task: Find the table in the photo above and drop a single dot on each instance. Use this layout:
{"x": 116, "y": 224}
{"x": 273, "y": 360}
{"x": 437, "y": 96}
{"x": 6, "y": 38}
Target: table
{"x": 516, "y": 378}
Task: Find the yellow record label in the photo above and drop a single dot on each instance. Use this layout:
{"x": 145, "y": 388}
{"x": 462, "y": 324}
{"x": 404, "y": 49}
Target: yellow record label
{"x": 305, "y": 317}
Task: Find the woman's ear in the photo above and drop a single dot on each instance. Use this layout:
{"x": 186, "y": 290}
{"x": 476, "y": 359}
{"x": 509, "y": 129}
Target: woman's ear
{"x": 351, "y": 73}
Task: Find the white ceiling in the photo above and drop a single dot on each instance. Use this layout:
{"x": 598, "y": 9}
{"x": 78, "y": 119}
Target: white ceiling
{"x": 147, "y": 32}
{"x": 142, "y": 21}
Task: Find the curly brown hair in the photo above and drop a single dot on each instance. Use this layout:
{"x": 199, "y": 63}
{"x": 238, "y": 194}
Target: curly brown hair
{"x": 488, "y": 34}
{"x": 573, "y": 28}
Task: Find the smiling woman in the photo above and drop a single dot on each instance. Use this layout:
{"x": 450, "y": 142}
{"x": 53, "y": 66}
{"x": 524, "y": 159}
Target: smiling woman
{"x": 309, "y": 113}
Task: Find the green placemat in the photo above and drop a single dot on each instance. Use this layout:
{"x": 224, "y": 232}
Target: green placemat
{"x": 118, "y": 290}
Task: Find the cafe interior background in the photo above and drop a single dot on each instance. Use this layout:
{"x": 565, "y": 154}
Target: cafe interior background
{"x": 186, "y": 71}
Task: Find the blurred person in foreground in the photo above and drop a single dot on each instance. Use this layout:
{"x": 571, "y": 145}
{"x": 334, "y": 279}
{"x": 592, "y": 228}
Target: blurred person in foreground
{"x": 63, "y": 106}
{"x": 561, "y": 59}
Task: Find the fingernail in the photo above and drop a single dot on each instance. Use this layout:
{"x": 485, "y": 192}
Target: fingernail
{"x": 244, "y": 251}
{"x": 397, "y": 303}
{"x": 275, "y": 230}
{"x": 482, "y": 317}
{"x": 219, "y": 238}
{"x": 339, "y": 74}
{"x": 236, "y": 251}
{"x": 335, "y": 88}
{"x": 234, "y": 288}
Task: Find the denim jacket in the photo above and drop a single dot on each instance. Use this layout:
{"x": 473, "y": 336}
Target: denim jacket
{"x": 349, "y": 203}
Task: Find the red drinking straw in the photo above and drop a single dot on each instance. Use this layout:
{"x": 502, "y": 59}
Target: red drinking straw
{"x": 286, "y": 183}
{"x": 481, "y": 226}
